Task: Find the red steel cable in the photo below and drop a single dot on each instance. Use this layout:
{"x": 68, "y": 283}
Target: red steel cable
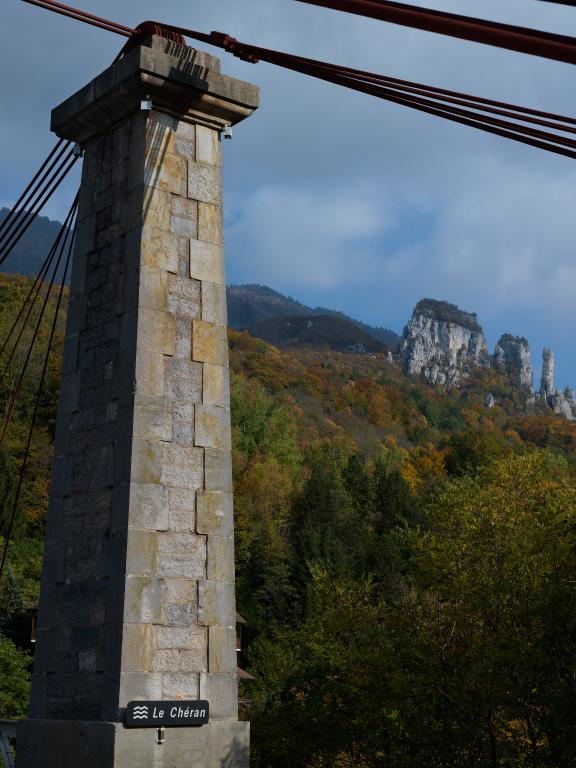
{"x": 387, "y": 93}
{"x": 88, "y": 18}
{"x": 519, "y": 39}
{"x": 465, "y": 117}
{"x": 254, "y": 53}
{"x": 333, "y": 73}
{"x": 435, "y": 101}
{"x": 35, "y": 286}
{"x": 558, "y": 122}
{"x": 64, "y": 231}
{"x": 63, "y": 170}
{"x": 24, "y": 464}
{"x": 16, "y": 205}
{"x": 30, "y": 196}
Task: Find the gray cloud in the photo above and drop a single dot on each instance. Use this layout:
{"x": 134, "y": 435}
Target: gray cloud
{"x": 338, "y": 198}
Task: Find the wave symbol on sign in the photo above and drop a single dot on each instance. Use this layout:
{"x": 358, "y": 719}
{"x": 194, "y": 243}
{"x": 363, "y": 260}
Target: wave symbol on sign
{"x": 140, "y": 713}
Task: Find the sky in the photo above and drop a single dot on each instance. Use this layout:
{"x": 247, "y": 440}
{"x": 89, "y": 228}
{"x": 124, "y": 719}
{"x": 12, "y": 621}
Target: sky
{"x": 338, "y": 199}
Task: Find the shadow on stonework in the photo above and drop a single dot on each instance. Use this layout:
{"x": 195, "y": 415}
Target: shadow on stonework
{"x": 238, "y": 755}
{"x": 157, "y": 142}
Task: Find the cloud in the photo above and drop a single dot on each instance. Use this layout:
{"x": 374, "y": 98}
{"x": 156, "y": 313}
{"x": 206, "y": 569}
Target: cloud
{"x": 343, "y": 199}
{"x": 316, "y": 237}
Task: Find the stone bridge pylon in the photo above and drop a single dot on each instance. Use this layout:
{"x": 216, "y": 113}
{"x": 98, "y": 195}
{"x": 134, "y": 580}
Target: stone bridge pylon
{"x": 137, "y": 599}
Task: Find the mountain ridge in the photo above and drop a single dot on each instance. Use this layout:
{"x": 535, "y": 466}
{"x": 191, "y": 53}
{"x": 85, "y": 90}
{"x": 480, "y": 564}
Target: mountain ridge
{"x": 251, "y": 304}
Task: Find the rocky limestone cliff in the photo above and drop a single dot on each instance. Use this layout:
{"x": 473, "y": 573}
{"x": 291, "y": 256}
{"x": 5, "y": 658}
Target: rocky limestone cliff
{"x": 562, "y": 403}
{"x": 441, "y": 343}
{"x": 513, "y": 352}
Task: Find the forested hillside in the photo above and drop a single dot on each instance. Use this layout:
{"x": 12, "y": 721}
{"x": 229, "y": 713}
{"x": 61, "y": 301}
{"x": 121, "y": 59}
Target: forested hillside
{"x": 406, "y": 560}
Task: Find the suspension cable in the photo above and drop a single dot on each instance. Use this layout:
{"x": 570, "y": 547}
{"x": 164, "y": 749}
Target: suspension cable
{"x": 33, "y": 195}
{"x": 24, "y": 464}
{"x": 12, "y": 403}
{"x": 87, "y": 18}
{"x": 399, "y": 97}
{"x": 38, "y": 279}
{"x": 63, "y": 169}
{"x": 15, "y": 208}
{"x": 513, "y": 38}
{"x": 437, "y": 101}
{"x": 37, "y": 285}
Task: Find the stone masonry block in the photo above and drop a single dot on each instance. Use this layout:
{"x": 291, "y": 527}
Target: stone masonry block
{"x": 182, "y": 500}
{"x": 217, "y": 470}
{"x": 182, "y": 476}
{"x": 180, "y": 685}
{"x": 87, "y": 661}
{"x": 184, "y": 297}
{"x": 148, "y": 507}
{"x": 183, "y": 227}
{"x": 69, "y": 393}
{"x": 53, "y": 568}
{"x": 159, "y": 128}
{"x": 222, "y": 649}
{"x": 153, "y": 289}
{"x": 216, "y": 604}
{"x": 221, "y": 744}
{"x": 182, "y": 555}
{"x": 156, "y": 331}
{"x": 216, "y": 385}
{"x": 183, "y": 638}
{"x": 214, "y": 513}
{"x": 183, "y": 380}
{"x": 182, "y": 518}
{"x": 146, "y": 461}
{"x": 185, "y": 287}
{"x": 153, "y": 420}
{"x": 182, "y": 466}
{"x": 143, "y": 600}
{"x": 181, "y": 614}
{"x": 137, "y": 647}
{"x": 210, "y": 224}
{"x": 182, "y": 544}
{"x": 141, "y": 553}
{"x": 70, "y": 361}
{"x": 149, "y": 375}
{"x": 180, "y": 660}
{"x": 208, "y": 148}
{"x": 184, "y": 257}
{"x": 159, "y": 250}
{"x": 183, "y": 337}
{"x": 184, "y": 148}
{"x": 221, "y": 690}
{"x": 185, "y": 208}
{"x": 220, "y": 558}
{"x": 166, "y": 171}
{"x": 136, "y": 686}
{"x": 183, "y": 433}
{"x": 209, "y": 343}
{"x": 181, "y": 591}
{"x": 204, "y": 183}
{"x": 155, "y": 211}
{"x": 214, "y": 303}
{"x": 184, "y": 129}
{"x": 212, "y": 427}
{"x": 207, "y": 262}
